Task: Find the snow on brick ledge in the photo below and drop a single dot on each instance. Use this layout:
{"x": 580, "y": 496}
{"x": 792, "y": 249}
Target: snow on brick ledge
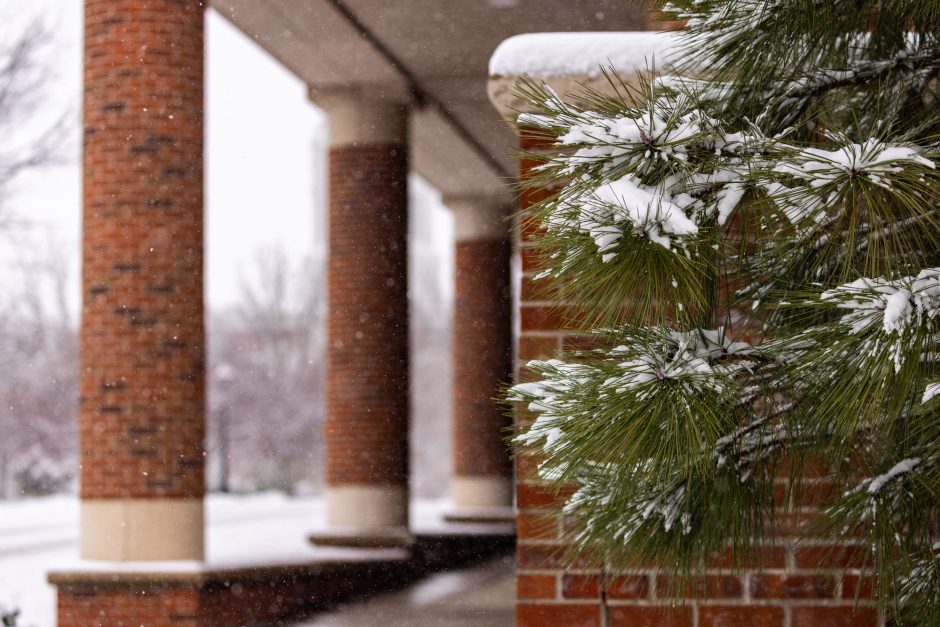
{"x": 548, "y": 55}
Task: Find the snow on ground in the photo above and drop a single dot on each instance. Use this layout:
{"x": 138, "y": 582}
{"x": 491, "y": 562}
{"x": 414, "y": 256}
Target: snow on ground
{"x": 580, "y": 54}
{"x": 38, "y": 535}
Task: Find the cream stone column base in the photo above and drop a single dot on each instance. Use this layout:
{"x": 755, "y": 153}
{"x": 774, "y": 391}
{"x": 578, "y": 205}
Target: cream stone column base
{"x": 367, "y": 507}
{"x": 481, "y": 492}
{"x": 142, "y": 529}
{"x": 481, "y": 500}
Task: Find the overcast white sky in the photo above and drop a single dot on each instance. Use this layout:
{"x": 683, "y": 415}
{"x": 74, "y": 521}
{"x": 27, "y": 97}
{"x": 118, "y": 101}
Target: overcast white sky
{"x": 265, "y": 158}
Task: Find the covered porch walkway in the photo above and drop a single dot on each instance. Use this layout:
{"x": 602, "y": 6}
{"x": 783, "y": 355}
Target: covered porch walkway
{"x": 482, "y": 596}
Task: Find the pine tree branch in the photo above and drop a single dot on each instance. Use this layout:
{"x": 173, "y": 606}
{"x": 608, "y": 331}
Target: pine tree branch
{"x": 827, "y": 80}
{"x": 796, "y": 100}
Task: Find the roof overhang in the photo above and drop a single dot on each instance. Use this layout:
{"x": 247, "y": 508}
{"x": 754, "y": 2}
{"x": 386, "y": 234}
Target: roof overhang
{"x": 434, "y": 52}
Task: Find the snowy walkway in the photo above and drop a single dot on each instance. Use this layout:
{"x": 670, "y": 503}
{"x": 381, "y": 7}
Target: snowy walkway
{"x": 483, "y": 596}
{"x": 38, "y": 535}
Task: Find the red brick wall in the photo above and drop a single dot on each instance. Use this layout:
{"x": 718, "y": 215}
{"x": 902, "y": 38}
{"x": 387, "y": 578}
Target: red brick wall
{"x": 142, "y": 336}
{"x": 148, "y": 605}
{"x": 252, "y": 602}
{"x": 795, "y": 588}
{"x": 482, "y": 357}
{"x": 367, "y": 403}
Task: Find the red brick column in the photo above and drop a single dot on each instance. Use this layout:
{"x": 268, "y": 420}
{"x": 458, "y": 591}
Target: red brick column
{"x": 142, "y": 335}
{"x": 367, "y": 390}
{"x": 482, "y": 354}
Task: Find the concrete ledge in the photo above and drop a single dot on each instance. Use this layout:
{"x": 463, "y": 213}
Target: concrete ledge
{"x": 481, "y": 515}
{"x": 198, "y": 575}
{"x": 212, "y": 599}
{"x": 107, "y": 594}
{"x": 368, "y": 539}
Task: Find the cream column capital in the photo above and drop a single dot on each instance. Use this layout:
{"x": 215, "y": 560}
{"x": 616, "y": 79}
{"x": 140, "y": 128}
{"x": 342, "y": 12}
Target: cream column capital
{"x": 480, "y": 216}
{"x": 364, "y": 113}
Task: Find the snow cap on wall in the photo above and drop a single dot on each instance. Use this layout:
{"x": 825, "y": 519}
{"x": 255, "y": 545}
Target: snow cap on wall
{"x": 580, "y": 54}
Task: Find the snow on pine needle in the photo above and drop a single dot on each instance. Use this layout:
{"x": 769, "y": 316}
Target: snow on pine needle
{"x": 665, "y": 508}
{"x": 887, "y": 320}
{"x": 654, "y": 362}
{"x": 875, "y": 485}
{"x": 645, "y": 211}
{"x": 636, "y": 173}
{"x": 874, "y": 509}
{"x": 931, "y": 391}
{"x": 919, "y": 589}
{"x": 676, "y": 382}
{"x": 651, "y": 187}
{"x": 636, "y": 491}
{"x": 891, "y": 304}
{"x": 874, "y": 159}
{"x": 647, "y": 186}
{"x": 878, "y": 341}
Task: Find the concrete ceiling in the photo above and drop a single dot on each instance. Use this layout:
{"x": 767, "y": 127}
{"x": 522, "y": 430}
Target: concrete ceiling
{"x": 437, "y": 48}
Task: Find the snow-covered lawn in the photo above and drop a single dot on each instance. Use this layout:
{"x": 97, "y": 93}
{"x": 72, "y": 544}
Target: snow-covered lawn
{"x": 38, "y": 535}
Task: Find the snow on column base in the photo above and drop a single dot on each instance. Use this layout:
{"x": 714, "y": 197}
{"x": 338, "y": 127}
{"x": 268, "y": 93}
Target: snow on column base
{"x": 142, "y": 529}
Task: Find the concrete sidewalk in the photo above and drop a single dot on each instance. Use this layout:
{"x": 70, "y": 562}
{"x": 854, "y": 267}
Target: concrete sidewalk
{"x": 483, "y": 596}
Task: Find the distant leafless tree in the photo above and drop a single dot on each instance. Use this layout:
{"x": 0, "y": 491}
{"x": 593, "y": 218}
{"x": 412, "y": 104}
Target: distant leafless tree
{"x": 430, "y": 374}
{"x": 266, "y": 398}
{"x": 38, "y": 392}
{"x": 38, "y": 338}
{"x": 266, "y": 377}
{"x": 28, "y": 139}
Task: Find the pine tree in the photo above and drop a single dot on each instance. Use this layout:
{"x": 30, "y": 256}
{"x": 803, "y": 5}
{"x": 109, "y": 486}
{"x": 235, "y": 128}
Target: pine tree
{"x": 753, "y": 238}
